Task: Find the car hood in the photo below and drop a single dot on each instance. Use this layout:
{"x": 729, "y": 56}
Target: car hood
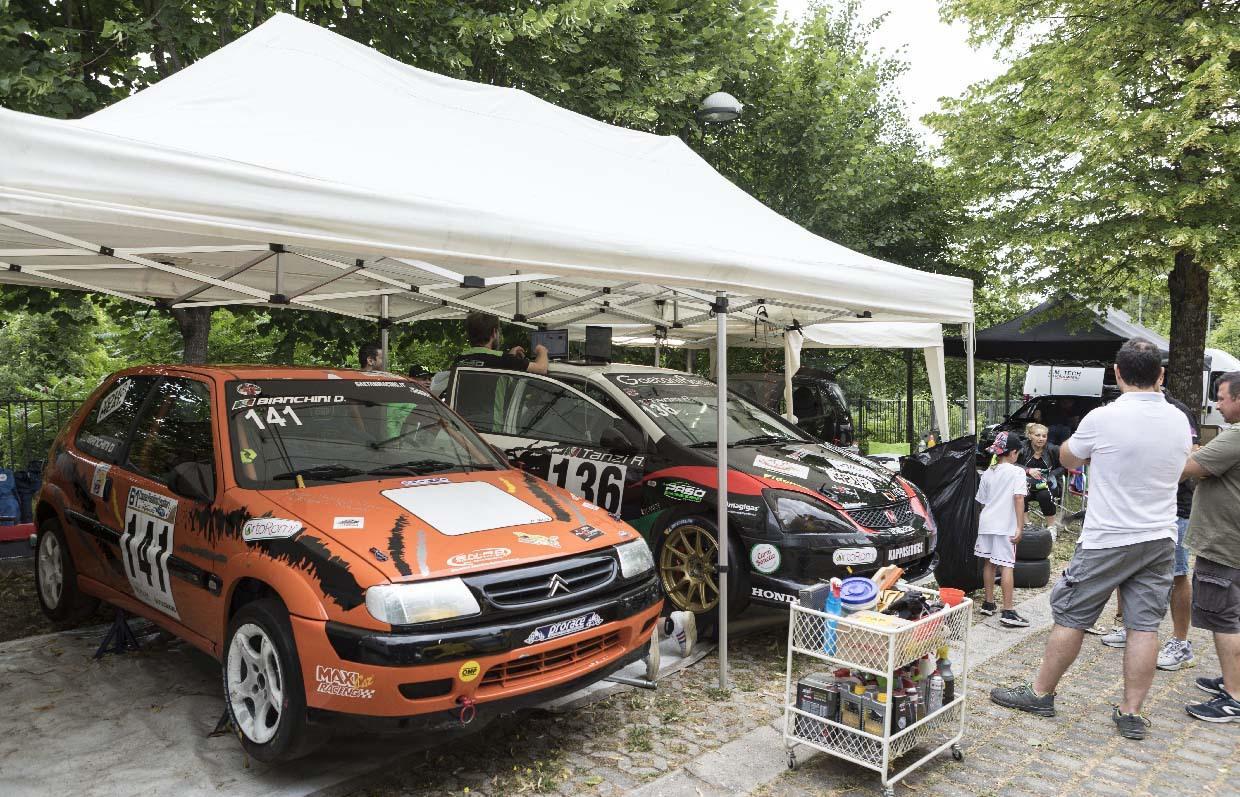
{"x": 823, "y": 470}
{"x": 415, "y": 528}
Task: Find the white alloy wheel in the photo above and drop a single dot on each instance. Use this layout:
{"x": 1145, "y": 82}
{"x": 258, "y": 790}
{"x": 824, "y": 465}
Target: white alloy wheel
{"x": 51, "y": 571}
{"x": 255, "y": 683}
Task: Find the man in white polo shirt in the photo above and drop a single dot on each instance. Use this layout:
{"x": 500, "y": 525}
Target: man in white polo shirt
{"x": 1136, "y": 447}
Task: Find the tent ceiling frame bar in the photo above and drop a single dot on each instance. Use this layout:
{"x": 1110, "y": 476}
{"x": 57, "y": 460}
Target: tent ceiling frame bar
{"x": 241, "y": 269}
{"x": 429, "y": 311}
{"x": 739, "y": 309}
{"x": 84, "y": 286}
{"x": 618, "y": 308}
{"x": 431, "y": 268}
{"x": 325, "y": 297}
{"x": 85, "y": 267}
{"x": 108, "y": 252}
{"x": 135, "y": 250}
{"x": 465, "y": 305}
{"x": 709, "y": 301}
{"x": 324, "y": 283}
{"x": 220, "y": 303}
{"x": 575, "y": 299}
{"x": 358, "y": 266}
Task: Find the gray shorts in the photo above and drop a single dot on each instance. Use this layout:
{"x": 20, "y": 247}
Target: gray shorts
{"x": 1216, "y": 597}
{"x": 1141, "y": 572}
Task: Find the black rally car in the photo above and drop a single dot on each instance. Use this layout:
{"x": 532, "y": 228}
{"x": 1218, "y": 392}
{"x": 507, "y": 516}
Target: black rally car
{"x": 640, "y": 442}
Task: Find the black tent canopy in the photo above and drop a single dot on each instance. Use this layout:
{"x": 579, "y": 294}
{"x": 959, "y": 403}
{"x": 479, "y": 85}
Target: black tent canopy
{"x": 1059, "y": 331}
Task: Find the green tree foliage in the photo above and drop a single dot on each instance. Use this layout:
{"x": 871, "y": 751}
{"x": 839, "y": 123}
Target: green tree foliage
{"x": 1104, "y": 157}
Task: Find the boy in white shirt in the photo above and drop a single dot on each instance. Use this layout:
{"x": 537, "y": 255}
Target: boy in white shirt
{"x": 1002, "y": 494}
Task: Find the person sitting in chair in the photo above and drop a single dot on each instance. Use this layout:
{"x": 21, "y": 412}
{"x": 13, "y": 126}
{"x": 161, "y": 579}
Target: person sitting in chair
{"x": 1040, "y": 459}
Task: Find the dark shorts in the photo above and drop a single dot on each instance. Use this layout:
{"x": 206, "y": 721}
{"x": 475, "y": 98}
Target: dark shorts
{"x": 1216, "y": 597}
{"x": 1141, "y": 573}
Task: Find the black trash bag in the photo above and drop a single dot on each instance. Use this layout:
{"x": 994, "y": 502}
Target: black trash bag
{"x": 947, "y": 474}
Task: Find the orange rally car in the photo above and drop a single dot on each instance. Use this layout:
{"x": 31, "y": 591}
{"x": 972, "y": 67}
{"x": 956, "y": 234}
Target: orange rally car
{"x": 348, "y": 548}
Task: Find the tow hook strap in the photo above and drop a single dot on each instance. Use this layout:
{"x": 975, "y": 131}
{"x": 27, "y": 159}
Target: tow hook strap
{"x": 468, "y": 709}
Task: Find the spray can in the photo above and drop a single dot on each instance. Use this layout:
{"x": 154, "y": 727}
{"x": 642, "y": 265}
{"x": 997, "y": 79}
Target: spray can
{"x": 935, "y": 700}
{"x": 916, "y": 708}
{"x": 899, "y": 710}
{"x": 949, "y": 679}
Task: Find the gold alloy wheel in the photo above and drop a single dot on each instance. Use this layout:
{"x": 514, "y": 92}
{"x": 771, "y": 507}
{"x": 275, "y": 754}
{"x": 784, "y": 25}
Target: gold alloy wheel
{"x": 687, "y": 568}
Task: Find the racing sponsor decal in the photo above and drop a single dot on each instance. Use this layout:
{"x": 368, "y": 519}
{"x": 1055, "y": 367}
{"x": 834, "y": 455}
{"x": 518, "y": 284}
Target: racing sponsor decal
{"x": 248, "y": 455}
{"x": 763, "y": 462}
{"x": 113, "y": 401}
{"x": 662, "y": 379}
{"x": 99, "y": 481}
{"x": 479, "y": 557}
{"x": 764, "y": 557}
{"x": 379, "y": 556}
{"x": 425, "y": 482}
{"x": 851, "y": 479}
{"x": 101, "y": 443}
{"x": 683, "y": 491}
{"x": 469, "y": 671}
{"x": 580, "y": 452}
{"x": 587, "y": 533}
{"x": 854, "y": 556}
{"x": 269, "y": 528}
{"x": 854, "y": 468}
{"x": 662, "y": 407}
{"x": 391, "y": 383}
{"x": 349, "y": 523}
{"x": 743, "y": 509}
{"x": 146, "y": 543}
{"x": 906, "y": 551}
{"x": 599, "y": 481}
{"x": 772, "y": 595}
{"x": 285, "y": 401}
{"x": 249, "y": 389}
{"x": 563, "y": 628}
{"x": 344, "y": 683}
{"x": 552, "y": 541}
{"x": 779, "y": 479}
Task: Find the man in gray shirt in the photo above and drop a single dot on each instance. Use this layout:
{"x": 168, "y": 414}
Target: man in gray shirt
{"x": 1214, "y": 534}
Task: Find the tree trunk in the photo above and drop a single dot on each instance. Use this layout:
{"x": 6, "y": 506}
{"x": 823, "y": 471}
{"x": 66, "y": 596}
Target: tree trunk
{"x": 195, "y": 326}
{"x": 1189, "y": 286}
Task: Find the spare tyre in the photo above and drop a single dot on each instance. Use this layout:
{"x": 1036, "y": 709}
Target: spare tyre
{"x": 1035, "y": 543}
{"x": 1031, "y": 575}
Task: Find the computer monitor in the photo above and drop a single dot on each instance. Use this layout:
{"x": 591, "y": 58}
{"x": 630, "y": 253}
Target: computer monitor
{"x": 598, "y": 343}
{"x": 556, "y": 341}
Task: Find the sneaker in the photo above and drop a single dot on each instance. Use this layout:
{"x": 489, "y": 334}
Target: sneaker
{"x": 1221, "y": 709}
{"x": 1131, "y": 726}
{"x": 683, "y": 626}
{"x": 1024, "y": 698}
{"x": 1118, "y": 637}
{"x": 653, "y": 656}
{"x": 1011, "y": 618}
{"x": 1096, "y": 630}
{"x": 988, "y": 609}
{"x": 1176, "y": 653}
{"x": 1213, "y": 686}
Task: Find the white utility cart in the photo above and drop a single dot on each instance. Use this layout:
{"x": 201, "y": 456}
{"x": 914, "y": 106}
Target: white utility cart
{"x": 895, "y": 752}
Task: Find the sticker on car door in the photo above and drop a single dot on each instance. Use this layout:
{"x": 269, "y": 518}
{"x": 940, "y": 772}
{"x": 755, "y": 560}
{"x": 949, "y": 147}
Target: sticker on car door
{"x": 146, "y": 544}
{"x": 601, "y": 483}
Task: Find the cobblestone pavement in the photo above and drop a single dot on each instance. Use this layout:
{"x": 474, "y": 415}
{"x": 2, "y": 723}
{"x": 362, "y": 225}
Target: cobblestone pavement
{"x": 1077, "y": 752}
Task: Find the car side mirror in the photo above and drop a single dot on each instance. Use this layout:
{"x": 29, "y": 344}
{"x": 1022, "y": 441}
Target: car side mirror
{"x": 193, "y": 480}
{"x": 615, "y": 439}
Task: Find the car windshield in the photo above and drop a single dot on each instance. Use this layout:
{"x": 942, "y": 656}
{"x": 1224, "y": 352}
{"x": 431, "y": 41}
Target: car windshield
{"x": 336, "y": 430}
{"x": 686, "y": 407}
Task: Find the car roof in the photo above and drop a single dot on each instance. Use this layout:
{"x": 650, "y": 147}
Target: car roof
{"x": 592, "y": 369}
{"x": 259, "y": 372}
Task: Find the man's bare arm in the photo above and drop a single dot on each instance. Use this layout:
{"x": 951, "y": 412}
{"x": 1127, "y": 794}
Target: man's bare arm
{"x": 1067, "y": 458}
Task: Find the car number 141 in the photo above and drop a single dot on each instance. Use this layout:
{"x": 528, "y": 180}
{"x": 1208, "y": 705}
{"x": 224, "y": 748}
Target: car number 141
{"x": 597, "y": 482}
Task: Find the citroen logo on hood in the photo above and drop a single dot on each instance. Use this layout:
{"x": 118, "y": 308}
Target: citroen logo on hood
{"x": 557, "y": 585}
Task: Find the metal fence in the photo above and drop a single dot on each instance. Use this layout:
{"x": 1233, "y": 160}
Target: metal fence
{"x": 28, "y": 427}
{"x": 883, "y": 420}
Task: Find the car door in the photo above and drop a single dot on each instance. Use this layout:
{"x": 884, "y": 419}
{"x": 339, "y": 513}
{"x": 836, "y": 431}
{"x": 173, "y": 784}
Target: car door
{"x": 551, "y": 430}
{"x": 166, "y": 559}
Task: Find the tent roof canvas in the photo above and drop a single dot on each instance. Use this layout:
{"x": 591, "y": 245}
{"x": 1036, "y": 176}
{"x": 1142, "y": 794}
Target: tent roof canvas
{"x": 1053, "y": 333}
{"x": 380, "y": 184}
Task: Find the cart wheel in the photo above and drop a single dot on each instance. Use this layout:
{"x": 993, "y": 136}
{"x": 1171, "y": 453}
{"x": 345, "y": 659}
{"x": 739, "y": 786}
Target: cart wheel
{"x": 792, "y": 761}
{"x": 957, "y": 753}
{"x": 889, "y": 791}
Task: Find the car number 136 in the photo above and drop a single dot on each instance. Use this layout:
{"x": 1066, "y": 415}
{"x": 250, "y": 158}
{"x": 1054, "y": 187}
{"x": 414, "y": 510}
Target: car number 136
{"x": 598, "y": 482}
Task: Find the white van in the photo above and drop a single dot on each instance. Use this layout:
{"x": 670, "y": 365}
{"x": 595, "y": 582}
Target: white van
{"x": 1062, "y": 380}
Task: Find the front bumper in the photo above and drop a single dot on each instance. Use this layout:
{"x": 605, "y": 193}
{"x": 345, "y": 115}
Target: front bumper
{"x": 366, "y": 673}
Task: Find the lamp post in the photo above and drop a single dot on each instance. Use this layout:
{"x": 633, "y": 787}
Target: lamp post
{"x": 720, "y": 108}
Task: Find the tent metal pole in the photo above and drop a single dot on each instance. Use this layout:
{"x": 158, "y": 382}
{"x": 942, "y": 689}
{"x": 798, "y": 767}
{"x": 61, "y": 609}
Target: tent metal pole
{"x": 1007, "y": 387}
{"x": 909, "y": 429}
{"x": 690, "y": 360}
{"x": 721, "y": 494}
{"x": 969, "y": 346}
{"x": 383, "y": 329}
{"x": 658, "y": 350}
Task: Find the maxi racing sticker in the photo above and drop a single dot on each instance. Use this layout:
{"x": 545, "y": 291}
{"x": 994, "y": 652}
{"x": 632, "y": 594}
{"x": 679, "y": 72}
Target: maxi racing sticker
{"x": 563, "y": 628}
{"x": 343, "y": 683}
{"x": 146, "y": 543}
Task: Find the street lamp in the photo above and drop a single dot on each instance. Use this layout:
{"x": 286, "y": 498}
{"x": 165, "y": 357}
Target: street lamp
{"x": 719, "y": 108}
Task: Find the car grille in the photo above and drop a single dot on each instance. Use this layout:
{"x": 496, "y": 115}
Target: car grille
{"x": 530, "y": 588}
{"x": 884, "y": 517}
{"x": 509, "y": 673}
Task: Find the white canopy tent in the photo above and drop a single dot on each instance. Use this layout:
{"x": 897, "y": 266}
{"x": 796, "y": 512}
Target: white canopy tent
{"x": 295, "y": 167}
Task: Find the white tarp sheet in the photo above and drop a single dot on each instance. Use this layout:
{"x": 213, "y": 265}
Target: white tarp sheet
{"x": 296, "y": 136}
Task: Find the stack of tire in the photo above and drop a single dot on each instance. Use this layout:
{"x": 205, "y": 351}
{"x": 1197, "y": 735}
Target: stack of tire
{"x": 1033, "y": 562}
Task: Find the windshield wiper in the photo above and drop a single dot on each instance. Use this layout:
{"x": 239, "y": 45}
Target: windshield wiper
{"x": 758, "y": 439}
{"x": 333, "y": 471}
{"x": 418, "y": 467}
{"x": 704, "y": 444}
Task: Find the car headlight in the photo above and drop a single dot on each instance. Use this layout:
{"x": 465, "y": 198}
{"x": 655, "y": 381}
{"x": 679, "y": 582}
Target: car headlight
{"x": 797, "y": 512}
{"x": 404, "y": 604}
{"x": 635, "y": 558}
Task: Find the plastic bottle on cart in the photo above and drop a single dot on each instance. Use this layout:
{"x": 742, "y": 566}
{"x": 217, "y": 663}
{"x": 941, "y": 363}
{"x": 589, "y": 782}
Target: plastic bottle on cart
{"x": 949, "y": 678}
{"x": 833, "y": 608}
{"x": 935, "y": 700}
